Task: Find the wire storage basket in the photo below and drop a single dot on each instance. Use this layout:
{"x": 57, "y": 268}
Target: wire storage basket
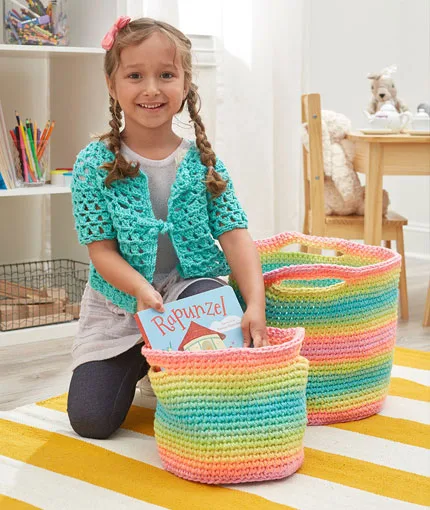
{"x": 348, "y": 307}
{"x": 41, "y": 293}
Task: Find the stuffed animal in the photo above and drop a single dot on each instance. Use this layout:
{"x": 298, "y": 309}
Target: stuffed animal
{"x": 384, "y": 91}
{"x": 343, "y": 193}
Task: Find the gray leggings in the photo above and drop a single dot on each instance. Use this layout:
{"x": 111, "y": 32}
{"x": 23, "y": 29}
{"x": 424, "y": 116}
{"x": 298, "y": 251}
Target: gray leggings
{"x": 101, "y": 392}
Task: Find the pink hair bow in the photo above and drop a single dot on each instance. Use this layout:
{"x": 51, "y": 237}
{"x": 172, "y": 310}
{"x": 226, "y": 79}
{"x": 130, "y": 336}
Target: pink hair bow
{"x": 109, "y": 38}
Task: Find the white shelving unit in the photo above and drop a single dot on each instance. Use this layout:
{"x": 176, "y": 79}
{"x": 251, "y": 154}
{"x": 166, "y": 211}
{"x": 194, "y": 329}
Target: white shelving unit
{"x": 47, "y": 51}
{"x": 66, "y": 84}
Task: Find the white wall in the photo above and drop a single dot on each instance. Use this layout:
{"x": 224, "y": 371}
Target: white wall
{"x": 346, "y": 40}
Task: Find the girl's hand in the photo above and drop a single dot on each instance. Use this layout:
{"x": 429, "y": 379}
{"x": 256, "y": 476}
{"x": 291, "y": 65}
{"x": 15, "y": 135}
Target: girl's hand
{"x": 147, "y": 297}
{"x": 254, "y": 327}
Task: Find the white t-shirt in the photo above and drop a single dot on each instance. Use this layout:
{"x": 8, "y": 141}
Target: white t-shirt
{"x": 161, "y": 175}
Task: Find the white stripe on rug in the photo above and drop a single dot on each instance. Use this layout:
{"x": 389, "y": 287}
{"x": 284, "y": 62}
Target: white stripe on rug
{"x": 51, "y": 491}
{"x": 406, "y": 409}
{"x": 370, "y": 449}
{"x": 412, "y": 374}
{"x": 308, "y": 493}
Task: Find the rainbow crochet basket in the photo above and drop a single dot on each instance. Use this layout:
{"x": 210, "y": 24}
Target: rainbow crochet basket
{"x": 348, "y": 307}
{"x": 231, "y": 415}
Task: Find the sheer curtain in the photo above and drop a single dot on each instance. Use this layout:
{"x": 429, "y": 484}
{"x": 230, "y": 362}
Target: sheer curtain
{"x": 259, "y": 83}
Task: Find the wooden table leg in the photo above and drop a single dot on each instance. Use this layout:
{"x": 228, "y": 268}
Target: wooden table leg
{"x": 373, "y": 196}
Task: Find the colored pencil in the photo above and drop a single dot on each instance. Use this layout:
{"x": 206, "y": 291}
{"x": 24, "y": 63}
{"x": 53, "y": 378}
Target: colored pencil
{"x": 23, "y": 157}
{"x": 24, "y": 8}
{"x": 33, "y": 152}
{"x": 15, "y": 141}
{"x": 35, "y": 134}
{"x": 45, "y": 142}
{"x": 43, "y": 136}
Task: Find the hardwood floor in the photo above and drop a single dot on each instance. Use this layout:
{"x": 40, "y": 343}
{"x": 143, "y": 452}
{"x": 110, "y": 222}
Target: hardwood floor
{"x": 36, "y": 371}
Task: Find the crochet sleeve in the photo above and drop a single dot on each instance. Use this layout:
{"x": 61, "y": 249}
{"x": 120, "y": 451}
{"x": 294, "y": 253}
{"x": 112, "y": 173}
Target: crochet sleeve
{"x": 225, "y": 211}
{"x": 92, "y": 218}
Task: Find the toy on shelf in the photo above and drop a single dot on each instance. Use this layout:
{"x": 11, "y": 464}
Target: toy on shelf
{"x": 35, "y": 24}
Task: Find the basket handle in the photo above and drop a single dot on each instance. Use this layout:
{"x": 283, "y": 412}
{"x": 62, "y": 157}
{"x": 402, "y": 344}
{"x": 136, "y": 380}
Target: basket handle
{"x": 310, "y": 272}
{"x": 329, "y": 243}
{"x": 385, "y": 258}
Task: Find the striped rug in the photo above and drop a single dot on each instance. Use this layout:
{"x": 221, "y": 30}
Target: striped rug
{"x": 381, "y": 463}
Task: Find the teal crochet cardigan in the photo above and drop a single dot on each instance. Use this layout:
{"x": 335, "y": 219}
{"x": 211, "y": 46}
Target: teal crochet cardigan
{"x": 124, "y": 212}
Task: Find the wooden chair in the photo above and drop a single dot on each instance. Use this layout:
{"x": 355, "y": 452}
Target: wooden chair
{"x": 346, "y": 227}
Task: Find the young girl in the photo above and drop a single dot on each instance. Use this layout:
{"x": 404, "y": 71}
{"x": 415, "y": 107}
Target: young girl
{"x": 149, "y": 206}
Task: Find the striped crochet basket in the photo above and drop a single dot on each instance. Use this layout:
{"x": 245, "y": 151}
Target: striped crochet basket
{"x": 348, "y": 307}
{"x": 231, "y": 415}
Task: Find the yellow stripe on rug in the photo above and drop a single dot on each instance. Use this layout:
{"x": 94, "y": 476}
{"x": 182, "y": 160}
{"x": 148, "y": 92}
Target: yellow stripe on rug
{"x": 98, "y": 466}
{"x": 362, "y": 475}
{"x": 7, "y": 503}
{"x": 409, "y": 389}
{"x": 393, "y": 429}
{"x": 411, "y": 358}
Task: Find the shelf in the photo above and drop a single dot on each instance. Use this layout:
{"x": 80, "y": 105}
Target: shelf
{"x": 203, "y": 50}
{"x": 21, "y": 50}
{"x": 38, "y": 334}
{"x": 47, "y": 189}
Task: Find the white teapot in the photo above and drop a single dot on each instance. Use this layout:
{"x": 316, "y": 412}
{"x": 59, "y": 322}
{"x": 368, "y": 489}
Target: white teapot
{"x": 388, "y": 118}
{"x": 421, "y": 121}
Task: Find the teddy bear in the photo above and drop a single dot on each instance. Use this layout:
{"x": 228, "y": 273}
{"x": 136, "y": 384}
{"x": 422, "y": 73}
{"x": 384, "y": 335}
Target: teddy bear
{"x": 343, "y": 193}
{"x": 384, "y": 91}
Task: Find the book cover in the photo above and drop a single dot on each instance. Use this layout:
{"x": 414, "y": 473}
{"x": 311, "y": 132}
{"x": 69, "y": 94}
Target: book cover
{"x": 210, "y": 320}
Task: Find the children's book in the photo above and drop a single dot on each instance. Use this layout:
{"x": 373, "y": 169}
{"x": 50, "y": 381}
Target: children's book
{"x": 206, "y": 321}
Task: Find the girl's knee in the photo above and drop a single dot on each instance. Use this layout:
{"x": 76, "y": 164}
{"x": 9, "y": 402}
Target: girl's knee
{"x": 87, "y": 423}
{"x": 92, "y": 430}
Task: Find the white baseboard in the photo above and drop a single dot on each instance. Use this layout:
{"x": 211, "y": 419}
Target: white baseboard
{"x": 417, "y": 240}
{"x": 38, "y": 334}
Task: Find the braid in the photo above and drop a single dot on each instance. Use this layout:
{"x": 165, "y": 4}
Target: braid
{"x": 214, "y": 182}
{"x": 119, "y": 167}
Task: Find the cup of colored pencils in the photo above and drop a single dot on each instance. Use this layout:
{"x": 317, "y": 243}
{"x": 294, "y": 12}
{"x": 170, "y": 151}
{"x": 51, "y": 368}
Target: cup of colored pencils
{"x": 35, "y": 22}
{"x": 31, "y": 144}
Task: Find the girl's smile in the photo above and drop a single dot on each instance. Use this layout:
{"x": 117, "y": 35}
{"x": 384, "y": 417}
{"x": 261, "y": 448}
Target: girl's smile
{"x": 153, "y": 107}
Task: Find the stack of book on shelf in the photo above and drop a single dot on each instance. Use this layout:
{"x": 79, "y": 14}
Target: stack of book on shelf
{"x": 8, "y": 177}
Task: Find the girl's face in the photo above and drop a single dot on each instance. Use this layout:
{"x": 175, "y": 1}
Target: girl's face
{"x": 149, "y": 83}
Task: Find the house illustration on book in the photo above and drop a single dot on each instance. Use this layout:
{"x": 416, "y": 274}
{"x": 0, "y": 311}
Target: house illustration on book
{"x": 200, "y": 338}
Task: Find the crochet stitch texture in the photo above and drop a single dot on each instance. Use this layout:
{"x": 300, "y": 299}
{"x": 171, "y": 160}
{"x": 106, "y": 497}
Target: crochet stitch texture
{"x": 231, "y": 415}
{"x": 124, "y": 212}
{"x": 348, "y": 307}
